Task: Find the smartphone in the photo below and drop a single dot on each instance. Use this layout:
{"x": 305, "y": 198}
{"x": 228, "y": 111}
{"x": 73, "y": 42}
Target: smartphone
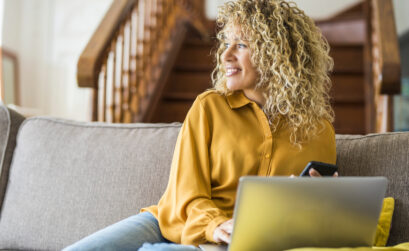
{"x": 324, "y": 169}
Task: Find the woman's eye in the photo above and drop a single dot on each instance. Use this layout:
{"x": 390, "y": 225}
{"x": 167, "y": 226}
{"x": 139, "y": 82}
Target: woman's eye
{"x": 226, "y": 45}
{"x": 242, "y": 46}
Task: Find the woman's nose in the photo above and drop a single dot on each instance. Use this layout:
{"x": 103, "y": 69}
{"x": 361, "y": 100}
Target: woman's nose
{"x": 228, "y": 55}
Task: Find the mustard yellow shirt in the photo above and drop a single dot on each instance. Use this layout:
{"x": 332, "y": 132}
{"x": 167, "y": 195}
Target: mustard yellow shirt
{"x": 222, "y": 139}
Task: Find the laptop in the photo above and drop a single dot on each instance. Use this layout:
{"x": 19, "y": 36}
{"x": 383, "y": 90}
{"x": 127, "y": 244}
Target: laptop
{"x": 279, "y": 213}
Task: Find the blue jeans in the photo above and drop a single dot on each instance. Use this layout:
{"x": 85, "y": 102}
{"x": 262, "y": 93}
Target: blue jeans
{"x": 138, "y": 232}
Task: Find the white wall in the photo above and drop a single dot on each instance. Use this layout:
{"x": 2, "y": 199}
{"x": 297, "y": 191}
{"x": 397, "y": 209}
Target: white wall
{"x": 48, "y": 37}
{"x": 1, "y": 20}
{"x": 401, "y": 9}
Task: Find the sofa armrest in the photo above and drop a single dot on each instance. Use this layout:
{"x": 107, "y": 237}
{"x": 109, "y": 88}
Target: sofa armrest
{"x": 10, "y": 122}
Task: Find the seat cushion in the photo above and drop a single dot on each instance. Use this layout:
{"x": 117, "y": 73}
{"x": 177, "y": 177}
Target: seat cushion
{"x": 381, "y": 155}
{"x": 70, "y": 179}
{"x": 10, "y": 121}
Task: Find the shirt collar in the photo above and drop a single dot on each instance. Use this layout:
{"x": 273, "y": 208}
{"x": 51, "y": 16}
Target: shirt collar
{"x": 237, "y": 99}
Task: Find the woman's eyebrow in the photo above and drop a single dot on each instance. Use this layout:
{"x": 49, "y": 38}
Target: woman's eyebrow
{"x": 236, "y": 39}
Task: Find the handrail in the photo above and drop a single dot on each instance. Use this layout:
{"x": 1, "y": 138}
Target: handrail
{"x": 91, "y": 58}
{"x": 130, "y": 54}
{"x": 385, "y": 65}
{"x": 387, "y": 39}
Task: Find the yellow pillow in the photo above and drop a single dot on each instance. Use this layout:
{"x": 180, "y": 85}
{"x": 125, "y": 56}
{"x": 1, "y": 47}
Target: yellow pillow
{"x": 381, "y": 236}
{"x": 385, "y": 222}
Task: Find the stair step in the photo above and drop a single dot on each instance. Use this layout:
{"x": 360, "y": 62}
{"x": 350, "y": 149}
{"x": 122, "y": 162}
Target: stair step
{"x": 347, "y": 88}
{"x": 335, "y": 30}
{"x": 195, "y": 57}
{"x": 348, "y": 59}
{"x": 180, "y": 96}
{"x": 193, "y": 68}
{"x": 210, "y": 42}
{"x": 182, "y": 81}
{"x": 170, "y": 111}
{"x": 349, "y": 119}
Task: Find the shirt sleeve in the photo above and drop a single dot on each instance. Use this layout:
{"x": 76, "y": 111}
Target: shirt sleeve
{"x": 186, "y": 211}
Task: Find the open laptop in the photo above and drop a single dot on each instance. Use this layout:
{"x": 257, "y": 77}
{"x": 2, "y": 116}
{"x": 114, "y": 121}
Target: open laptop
{"x": 278, "y": 213}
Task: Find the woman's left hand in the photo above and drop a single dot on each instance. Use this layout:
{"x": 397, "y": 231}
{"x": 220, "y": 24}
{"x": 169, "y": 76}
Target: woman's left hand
{"x": 315, "y": 174}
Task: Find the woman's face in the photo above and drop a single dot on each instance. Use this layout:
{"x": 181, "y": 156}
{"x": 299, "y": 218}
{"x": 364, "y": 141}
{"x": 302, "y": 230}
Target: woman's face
{"x": 240, "y": 73}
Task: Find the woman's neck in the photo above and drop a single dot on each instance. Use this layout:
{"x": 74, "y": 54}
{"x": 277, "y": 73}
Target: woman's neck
{"x": 256, "y": 96}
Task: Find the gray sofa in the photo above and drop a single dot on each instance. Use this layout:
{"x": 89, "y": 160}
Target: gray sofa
{"x": 61, "y": 180}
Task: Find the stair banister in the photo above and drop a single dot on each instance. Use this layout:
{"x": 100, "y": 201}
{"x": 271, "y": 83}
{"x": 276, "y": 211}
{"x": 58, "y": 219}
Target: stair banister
{"x": 386, "y": 71}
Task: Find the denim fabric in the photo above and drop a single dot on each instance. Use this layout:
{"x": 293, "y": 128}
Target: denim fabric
{"x": 130, "y": 234}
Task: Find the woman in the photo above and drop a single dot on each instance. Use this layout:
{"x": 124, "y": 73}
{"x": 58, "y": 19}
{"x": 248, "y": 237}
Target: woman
{"x": 268, "y": 114}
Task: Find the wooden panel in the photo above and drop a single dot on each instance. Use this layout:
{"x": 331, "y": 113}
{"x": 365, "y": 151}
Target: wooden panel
{"x": 169, "y": 111}
{"x": 192, "y": 82}
{"x": 195, "y": 58}
{"x": 349, "y": 119}
{"x": 335, "y": 30}
{"x": 347, "y": 58}
{"x": 347, "y": 88}
{"x": 385, "y": 34}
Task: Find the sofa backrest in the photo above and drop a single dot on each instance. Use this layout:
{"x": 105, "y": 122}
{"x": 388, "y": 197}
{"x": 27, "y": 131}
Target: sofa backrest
{"x": 381, "y": 155}
{"x": 70, "y": 179}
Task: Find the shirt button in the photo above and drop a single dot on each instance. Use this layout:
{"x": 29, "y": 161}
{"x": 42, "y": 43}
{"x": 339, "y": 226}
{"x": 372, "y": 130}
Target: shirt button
{"x": 267, "y": 156}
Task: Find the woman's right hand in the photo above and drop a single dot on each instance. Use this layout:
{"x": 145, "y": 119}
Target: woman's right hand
{"x": 222, "y": 233}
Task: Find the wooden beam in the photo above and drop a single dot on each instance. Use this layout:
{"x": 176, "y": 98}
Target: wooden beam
{"x": 389, "y": 47}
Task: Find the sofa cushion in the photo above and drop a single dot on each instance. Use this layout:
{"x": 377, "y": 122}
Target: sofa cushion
{"x": 69, "y": 179}
{"x": 9, "y": 123}
{"x": 381, "y": 155}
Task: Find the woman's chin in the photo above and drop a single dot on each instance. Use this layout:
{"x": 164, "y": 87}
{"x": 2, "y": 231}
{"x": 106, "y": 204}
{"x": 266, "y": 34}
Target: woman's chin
{"x": 232, "y": 87}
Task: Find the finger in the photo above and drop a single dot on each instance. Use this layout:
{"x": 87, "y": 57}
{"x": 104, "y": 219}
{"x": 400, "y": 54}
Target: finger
{"x": 314, "y": 173}
{"x": 335, "y": 174}
{"x": 224, "y": 236}
{"x": 292, "y": 176}
{"x": 227, "y": 227}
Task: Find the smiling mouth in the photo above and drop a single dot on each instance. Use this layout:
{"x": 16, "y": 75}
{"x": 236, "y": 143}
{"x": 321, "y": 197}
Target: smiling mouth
{"x": 232, "y": 71}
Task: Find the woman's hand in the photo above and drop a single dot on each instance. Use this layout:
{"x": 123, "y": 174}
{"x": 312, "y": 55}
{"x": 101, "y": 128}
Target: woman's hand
{"x": 315, "y": 174}
{"x": 222, "y": 233}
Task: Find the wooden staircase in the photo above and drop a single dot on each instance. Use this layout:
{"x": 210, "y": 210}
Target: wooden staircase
{"x": 345, "y": 33}
{"x": 354, "y": 35}
{"x": 190, "y": 76}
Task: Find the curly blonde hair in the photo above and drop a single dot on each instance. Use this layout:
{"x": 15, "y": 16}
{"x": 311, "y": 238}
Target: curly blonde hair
{"x": 291, "y": 57}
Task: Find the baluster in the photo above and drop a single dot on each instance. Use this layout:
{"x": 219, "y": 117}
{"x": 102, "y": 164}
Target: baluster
{"x": 159, "y": 19}
{"x": 376, "y": 71}
{"x": 162, "y": 25}
{"x": 134, "y": 107}
{"x": 110, "y": 84}
{"x": 141, "y": 47}
{"x": 152, "y": 18}
{"x": 102, "y": 92}
{"x": 147, "y": 52}
{"x": 94, "y": 99}
{"x": 153, "y": 40}
{"x": 118, "y": 86}
{"x": 125, "y": 110}
{"x": 156, "y": 23}
{"x": 165, "y": 4}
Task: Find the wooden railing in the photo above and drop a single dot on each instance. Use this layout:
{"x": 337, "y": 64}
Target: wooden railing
{"x": 129, "y": 56}
{"x": 385, "y": 71}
